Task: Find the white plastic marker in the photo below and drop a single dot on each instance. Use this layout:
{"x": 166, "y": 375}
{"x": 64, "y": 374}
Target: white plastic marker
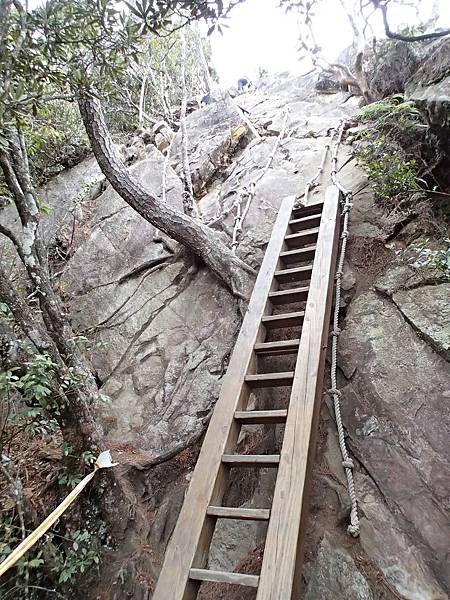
{"x": 103, "y": 462}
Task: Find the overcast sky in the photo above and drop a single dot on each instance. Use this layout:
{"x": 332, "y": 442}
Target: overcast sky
{"x": 262, "y": 35}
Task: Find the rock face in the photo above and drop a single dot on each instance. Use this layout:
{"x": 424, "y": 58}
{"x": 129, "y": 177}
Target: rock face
{"x": 427, "y": 309}
{"x": 430, "y": 89}
{"x": 335, "y": 576}
{"x": 163, "y": 328}
{"x": 394, "y": 68}
{"x": 156, "y": 318}
{"x": 214, "y": 133}
{"x": 394, "y": 407}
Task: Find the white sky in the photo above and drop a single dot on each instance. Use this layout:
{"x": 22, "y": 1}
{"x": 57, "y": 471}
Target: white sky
{"x": 261, "y": 34}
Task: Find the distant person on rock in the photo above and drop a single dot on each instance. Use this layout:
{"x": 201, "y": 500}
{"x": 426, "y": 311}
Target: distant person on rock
{"x": 243, "y": 85}
{"x": 205, "y": 100}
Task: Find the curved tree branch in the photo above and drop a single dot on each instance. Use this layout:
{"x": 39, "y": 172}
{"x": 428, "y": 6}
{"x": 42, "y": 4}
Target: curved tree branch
{"x": 10, "y": 235}
{"x": 194, "y": 235}
{"x": 408, "y": 38}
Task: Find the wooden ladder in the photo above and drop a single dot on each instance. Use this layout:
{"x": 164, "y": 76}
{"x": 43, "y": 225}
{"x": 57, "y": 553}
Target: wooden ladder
{"x": 297, "y": 270}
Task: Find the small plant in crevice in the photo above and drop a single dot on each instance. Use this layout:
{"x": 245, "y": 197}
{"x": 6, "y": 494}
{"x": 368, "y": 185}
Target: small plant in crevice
{"x": 421, "y": 255}
{"x": 391, "y": 113}
{"x": 427, "y": 254}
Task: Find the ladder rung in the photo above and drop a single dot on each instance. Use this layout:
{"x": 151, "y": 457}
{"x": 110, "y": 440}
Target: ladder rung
{"x": 284, "y": 320}
{"x": 243, "y": 514}
{"x": 270, "y": 379}
{"x": 295, "y": 274}
{"x": 309, "y": 236}
{"x": 304, "y": 211}
{"x": 289, "y": 296}
{"x": 251, "y": 460}
{"x": 298, "y": 255}
{"x": 305, "y": 222}
{"x": 256, "y": 417}
{"x": 222, "y": 577}
{"x": 277, "y": 348}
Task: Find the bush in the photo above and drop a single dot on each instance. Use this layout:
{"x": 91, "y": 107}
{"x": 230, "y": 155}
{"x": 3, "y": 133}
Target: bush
{"x": 389, "y": 172}
{"x": 390, "y": 146}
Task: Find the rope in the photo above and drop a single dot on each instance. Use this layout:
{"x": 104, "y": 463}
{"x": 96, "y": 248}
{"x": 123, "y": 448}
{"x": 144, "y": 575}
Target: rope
{"x": 311, "y": 183}
{"x": 347, "y": 462}
{"x": 250, "y": 192}
{"x": 103, "y": 462}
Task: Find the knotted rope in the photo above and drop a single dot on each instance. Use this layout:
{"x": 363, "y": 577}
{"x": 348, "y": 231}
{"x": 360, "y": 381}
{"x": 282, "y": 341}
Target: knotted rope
{"x": 311, "y": 183}
{"x": 249, "y": 192}
{"x": 347, "y": 462}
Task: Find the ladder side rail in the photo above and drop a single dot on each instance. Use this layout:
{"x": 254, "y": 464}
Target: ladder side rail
{"x": 189, "y": 544}
{"x": 280, "y": 571}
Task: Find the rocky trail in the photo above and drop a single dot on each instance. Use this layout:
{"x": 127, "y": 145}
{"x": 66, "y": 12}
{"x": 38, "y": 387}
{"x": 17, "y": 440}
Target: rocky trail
{"x": 164, "y": 327}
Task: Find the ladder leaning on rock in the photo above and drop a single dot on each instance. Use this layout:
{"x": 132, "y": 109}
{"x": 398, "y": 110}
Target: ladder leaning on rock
{"x": 297, "y": 270}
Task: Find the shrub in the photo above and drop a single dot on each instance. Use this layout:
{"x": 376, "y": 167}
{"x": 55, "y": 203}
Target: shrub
{"x": 389, "y": 172}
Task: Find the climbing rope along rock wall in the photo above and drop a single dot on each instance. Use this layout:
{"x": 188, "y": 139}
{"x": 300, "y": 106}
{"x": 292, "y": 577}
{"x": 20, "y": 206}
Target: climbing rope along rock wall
{"x": 347, "y": 462}
{"x": 250, "y": 192}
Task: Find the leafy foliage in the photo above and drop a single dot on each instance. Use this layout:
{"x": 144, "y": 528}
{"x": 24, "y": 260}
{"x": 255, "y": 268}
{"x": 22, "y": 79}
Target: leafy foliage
{"x": 424, "y": 256}
{"x": 29, "y": 393}
{"x": 389, "y": 148}
{"x": 393, "y": 115}
{"x": 65, "y": 556}
{"x": 55, "y": 140}
{"x": 388, "y": 171}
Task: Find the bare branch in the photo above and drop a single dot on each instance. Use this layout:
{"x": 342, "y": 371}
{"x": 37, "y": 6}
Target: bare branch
{"x": 10, "y": 235}
{"x": 406, "y": 38}
{"x": 188, "y": 191}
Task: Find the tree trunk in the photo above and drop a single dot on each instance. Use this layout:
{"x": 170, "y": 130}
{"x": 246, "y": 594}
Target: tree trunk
{"x": 202, "y": 58}
{"x": 74, "y": 415}
{"x": 194, "y": 235}
{"x": 189, "y": 205}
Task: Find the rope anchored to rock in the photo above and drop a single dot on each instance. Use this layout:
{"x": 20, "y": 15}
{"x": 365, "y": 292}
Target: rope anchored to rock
{"x": 313, "y": 182}
{"x": 334, "y": 392}
{"x": 249, "y": 192}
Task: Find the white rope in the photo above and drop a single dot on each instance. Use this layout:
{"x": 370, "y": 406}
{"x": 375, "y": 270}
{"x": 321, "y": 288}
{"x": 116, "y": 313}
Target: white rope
{"x": 347, "y": 462}
{"x": 250, "y": 192}
{"x": 311, "y": 183}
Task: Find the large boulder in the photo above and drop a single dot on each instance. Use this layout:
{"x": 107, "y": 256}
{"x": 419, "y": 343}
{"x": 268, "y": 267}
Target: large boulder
{"x": 394, "y": 65}
{"x": 214, "y": 133}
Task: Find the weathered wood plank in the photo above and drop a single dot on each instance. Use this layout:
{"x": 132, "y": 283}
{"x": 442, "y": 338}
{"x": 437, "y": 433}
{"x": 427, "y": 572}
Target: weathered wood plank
{"x": 269, "y": 379}
{"x": 254, "y": 417}
{"x": 239, "y": 513}
{"x": 288, "y": 296}
{"x": 192, "y": 535}
{"x": 251, "y": 460}
{"x": 294, "y": 274}
{"x": 310, "y": 209}
{"x": 296, "y": 240}
{"x": 291, "y": 319}
{"x": 277, "y": 348}
{"x": 305, "y": 223}
{"x": 298, "y": 255}
{"x": 280, "y": 572}
{"x": 222, "y": 577}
